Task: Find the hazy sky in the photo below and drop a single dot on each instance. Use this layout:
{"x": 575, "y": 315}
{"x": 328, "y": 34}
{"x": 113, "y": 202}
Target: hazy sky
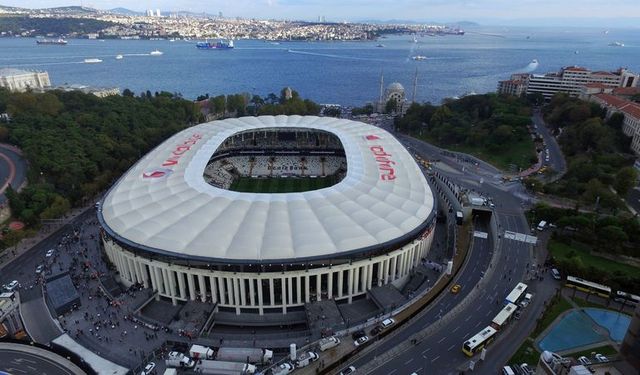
{"x": 576, "y": 12}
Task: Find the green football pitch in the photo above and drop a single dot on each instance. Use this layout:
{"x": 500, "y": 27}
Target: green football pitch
{"x": 281, "y": 184}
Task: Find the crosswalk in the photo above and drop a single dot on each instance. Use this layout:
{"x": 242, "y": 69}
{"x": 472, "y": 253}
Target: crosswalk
{"x": 521, "y": 237}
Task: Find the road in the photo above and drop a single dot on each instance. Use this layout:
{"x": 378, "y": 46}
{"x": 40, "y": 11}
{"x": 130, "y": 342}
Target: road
{"x": 556, "y": 159}
{"x": 19, "y": 359}
{"x": 13, "y": 170}
{"x": 440, "y": 353}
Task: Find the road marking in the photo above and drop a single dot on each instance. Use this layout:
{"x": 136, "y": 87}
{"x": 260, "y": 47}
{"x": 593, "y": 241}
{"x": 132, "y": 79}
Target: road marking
{"x": 392, "y": 371}
{"x": 477, "y": 324}
{"x": 418, "y": 370}
{"x": 451, "y": 347}
{"x": 442, "y": 339}
{"x": 488, "y": 313}
{"x": 433, "y": 360}
{"x": 455, "y": 329}
{"x": 479, "y": 307}
{"x": 467, "y": 319}
{"x": 425, "y": 351}
{"x": 409, "y": 361}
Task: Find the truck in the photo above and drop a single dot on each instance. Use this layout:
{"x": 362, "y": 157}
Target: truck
{"x": 248, "y": 355}
{"x": 328, "y": 343}
{"x": 201, "y": 352}
{"x": 224, "y": 368}
{"x": 476, "y": 201}
{"x": 177, "y": 359}
{"x": 306, "y": 358}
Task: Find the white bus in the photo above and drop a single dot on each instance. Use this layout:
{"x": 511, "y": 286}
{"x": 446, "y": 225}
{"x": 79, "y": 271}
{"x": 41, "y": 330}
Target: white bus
{"x": 588, "y": 286}
{"x": 504, "y": 316}
{"x": 626, "y": 298}
{"x": 516, "y": 294}
{"x": 479, "y": 341}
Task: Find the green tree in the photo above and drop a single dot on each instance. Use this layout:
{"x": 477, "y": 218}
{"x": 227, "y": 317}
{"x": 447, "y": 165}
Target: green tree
{"x": 391, "y": 106}
{"x": 625, "y": 179}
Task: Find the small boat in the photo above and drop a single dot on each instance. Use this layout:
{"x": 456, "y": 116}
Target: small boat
{"x": 119, "y": 57}
{"x": 419, "y": 57}
{"x": 92, "y": 61}
{"x": 415, "y": 40}
{"x": 172, "y": 40}
{"x": 534, "y": 61}
{"x": 616, "y": 44}
{"x": 576, "y": 52}
{"x": 156, "y": 53}
{"x": 275, "y": 43}
{"x": 380, "y": 46}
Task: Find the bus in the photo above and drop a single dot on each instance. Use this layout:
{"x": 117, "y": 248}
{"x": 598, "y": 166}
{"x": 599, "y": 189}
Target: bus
{"x": 504, "y": 316}
{"x": 479, "y": 341}
{"x": 588, "y": 286}
{"x": 626, "y": 298}
{"x": 516, "y": 294}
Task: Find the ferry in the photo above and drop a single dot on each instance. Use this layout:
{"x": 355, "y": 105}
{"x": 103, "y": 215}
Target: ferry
{"x": 119, "y": 57}
{"x": 419, "y": 57}
{"x": 616, "y": 44}
{"x": 60, "y": 42}
{"x": 92, "y": 61}
{"x": 156, "y": 53}
{"x": 219, "y": 45}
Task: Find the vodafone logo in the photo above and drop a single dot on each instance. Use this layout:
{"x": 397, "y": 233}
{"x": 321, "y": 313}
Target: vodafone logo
{"x": 157, "y": 173}
{"x": 371, "y": 137}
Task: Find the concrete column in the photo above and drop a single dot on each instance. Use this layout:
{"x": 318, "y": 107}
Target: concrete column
{"x": 231, "y": 295}
{"x": 370, "y": 276}
{"x": 221, "y": 287}
{"x": 203, "y": 288}
{"x": 272, "y": 294}
{"x": 162, "y": 287}
{"x": 330, "y": 285}
{"x": 252, "y": 297}
{"x": 299, "y": 289}
{"x": 283, "y": 287}
{"x": 154, "y": 282}
{"x": 214, "y": 289}
{"x": 136, "y": 271}
{"x": 172, "y": 286}
{"x": 145, "y": 275}
{"x": 340, "y": 283}
{"x": 290, "y": 290}
{"x": 192, "y": 286}
{"x": 394, "y": 262}
{"x": 260, "y": 300}
{"x": 307, "y": 294}
{"x": 319, "y": 286}
{"x": 243, "y": 291}
{"x": 236, "y": 293}
{"x": 380, "y": 267}
{"x": 350, "y": 284}
{"x": 183, "y": 291}
{"x": 387, "y": 264}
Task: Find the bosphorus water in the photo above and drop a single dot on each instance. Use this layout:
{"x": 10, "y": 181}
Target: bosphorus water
{"x": 346, "y": 73}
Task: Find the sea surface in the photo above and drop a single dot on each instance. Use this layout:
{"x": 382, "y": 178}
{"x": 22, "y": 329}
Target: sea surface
{"x": 346, "y": 73}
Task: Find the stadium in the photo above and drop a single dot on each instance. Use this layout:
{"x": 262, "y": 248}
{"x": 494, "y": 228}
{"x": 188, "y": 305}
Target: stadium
{"x": 265, "y": 214}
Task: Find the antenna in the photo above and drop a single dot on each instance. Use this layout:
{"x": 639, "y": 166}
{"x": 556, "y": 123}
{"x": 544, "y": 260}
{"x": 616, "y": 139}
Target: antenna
{"x": 415, "y": 86}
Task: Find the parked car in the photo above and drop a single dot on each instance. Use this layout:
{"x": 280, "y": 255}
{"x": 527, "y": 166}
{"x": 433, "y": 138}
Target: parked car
{"x": 456, "y": 289}
{"x": 347, "y": 371}
{"x": 584, "y": 361}
{"x": 148, "y": 369}
{"x": 49, "y": 253}
{"x": 601, "y": 358}
{"x": 12, "y": 285}
{"x": 39, "y": 269}
{"x": 526, "y": 369}
{"x": 361, "y": 341}
{"x": 556, "y": 274}
{"x": 387, "y": 322}
{"x": 357, "y": 334}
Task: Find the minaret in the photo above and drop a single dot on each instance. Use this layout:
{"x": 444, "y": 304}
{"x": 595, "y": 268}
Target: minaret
{"x": 415, "y": 86}
{"x": 381, "y": 88}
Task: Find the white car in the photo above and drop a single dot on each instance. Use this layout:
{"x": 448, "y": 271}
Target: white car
{"x": 584, "y": 361}
{"x": 12, "y": 285}
{"x": 361, "y": 340}
{"x": 387, "y": 322}
{"x": 39, "y": 269}
{"x": 148, "y": 369}
{"x": 49, "y": 253}
{"x": 601, "y": 358}
{"x": 285, "y": 368}
{"x": 348, "y": 370}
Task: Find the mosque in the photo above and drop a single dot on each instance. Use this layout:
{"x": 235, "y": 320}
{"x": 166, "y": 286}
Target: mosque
{"x": 395, "y": 91}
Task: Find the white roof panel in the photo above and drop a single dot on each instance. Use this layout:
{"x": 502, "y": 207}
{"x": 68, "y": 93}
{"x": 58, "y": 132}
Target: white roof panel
{"x": 164, "y": 204}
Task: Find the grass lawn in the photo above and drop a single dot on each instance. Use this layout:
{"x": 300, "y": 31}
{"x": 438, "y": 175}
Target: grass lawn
{"x": 557, "y": 307}
{"x": 606, "y": 350}
{"x": 518, "y": 153}
{"x": 281, "y": 185}
{"x": 583, "y": 303}
{"x": 527, "y": 353}
{"x": 561, "y": 250}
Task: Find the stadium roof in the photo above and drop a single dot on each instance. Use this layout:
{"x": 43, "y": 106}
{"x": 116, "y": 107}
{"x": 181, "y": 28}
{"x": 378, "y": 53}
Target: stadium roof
{"x": 163, "y": 204}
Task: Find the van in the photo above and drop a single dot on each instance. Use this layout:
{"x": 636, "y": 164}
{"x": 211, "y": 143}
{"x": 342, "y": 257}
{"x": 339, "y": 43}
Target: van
{"x": 507, "y": 370}
{"x": 387, "y": 322}
{"x": 556, "y": 274}
{"x": 542, "y": 225}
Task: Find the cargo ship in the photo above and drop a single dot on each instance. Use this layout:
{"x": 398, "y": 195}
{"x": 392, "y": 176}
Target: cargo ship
{"x": 60, "y": 41}
{"x": 218, "y": 45}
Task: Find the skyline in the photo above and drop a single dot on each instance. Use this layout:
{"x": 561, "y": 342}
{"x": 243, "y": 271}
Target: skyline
{"x": 572, "y": 13}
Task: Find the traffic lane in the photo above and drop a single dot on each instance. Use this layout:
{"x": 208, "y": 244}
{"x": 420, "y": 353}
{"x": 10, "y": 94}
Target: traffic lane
{"x": 556, "y": 158}
{"x": 19, "y": 362}
{"x": 478, "y": 256}
{"x": 11, "y": 161}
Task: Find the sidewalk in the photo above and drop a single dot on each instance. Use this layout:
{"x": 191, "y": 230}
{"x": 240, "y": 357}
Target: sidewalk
{"x": 10, "y": 254}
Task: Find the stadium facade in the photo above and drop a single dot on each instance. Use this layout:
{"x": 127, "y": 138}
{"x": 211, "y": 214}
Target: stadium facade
{"x": 175, "y": 222}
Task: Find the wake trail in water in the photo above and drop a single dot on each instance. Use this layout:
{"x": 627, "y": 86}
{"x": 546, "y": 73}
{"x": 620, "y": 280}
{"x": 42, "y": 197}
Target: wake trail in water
{"x": 50, "y": 57}
{"x": 344, "y": 57}
{"x": 53, "y": 63}
{"x": 529, "y": 68}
